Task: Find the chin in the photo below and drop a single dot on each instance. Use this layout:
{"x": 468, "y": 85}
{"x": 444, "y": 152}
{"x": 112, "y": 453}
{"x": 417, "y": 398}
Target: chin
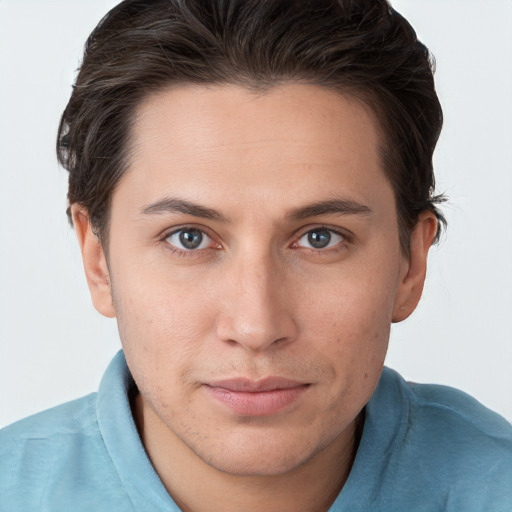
{"x": 256, "y": 466}
{"x": 260, "y": 457}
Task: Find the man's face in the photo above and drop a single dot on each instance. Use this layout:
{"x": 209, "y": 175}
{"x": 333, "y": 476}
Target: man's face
{"x": 255, "y": 263}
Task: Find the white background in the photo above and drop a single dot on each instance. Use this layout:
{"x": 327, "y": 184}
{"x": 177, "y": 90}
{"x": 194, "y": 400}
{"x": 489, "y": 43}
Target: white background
{"x": 54, "y": 346}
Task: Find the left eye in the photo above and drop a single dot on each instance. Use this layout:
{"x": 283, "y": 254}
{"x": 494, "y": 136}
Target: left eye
{"x": 320, "y": 238}
{"x": 189, "y": 239}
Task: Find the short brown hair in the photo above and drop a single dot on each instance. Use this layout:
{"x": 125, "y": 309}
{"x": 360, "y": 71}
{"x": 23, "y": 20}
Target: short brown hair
{"x": 363, "y": 48}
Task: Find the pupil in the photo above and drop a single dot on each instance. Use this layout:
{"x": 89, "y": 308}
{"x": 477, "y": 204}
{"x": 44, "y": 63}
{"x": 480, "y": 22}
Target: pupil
{"x": 191, "y": 239}
{"x": 319, "y": 239}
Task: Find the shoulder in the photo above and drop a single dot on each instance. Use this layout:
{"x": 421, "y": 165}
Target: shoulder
{"x": 63, "y": 426}
{"x": 461, "y": 420}
{"x": 40, "y": 434}
{"x": 56, "y": 452}
{"x": 452, "y": 441}
{"x": 440, "y": 405}
{"x": 65, "y": 418}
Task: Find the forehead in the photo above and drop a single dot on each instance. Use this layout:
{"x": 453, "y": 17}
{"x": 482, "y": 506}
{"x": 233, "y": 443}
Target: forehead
{"x": 226, "y": 140}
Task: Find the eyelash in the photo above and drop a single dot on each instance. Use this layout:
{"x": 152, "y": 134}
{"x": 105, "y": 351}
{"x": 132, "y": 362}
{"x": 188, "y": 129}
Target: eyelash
{"x": 346, "y": 238}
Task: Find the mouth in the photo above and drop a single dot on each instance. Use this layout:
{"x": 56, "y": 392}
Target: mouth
{"x": 256, "y": 398}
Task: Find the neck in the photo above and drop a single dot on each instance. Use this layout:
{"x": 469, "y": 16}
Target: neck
{"x": 195, "y": 486}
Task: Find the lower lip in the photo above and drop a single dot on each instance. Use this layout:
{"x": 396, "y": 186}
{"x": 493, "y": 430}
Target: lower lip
{"x": 259, "y": 403}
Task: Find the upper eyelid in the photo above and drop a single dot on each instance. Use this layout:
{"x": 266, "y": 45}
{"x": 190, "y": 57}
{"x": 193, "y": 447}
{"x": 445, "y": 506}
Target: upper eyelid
{"x": 336, "y": 232}
{"x": 339, "y": 231}
{"x": 166, "y": 233}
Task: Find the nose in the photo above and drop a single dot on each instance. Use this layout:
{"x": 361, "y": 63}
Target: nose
{"x": 256, "y": 310}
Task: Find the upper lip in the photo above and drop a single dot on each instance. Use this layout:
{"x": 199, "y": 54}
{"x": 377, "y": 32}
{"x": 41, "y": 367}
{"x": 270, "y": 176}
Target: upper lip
{"x": 254, "y": 386}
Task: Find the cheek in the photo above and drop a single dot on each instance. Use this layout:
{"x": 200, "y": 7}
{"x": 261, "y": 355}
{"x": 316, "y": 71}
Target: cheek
{"x": 158, "y": 307}
{"x": 353, "y": 312}
{"x": 350, "y": 328}
{"x": 161, "y": 326}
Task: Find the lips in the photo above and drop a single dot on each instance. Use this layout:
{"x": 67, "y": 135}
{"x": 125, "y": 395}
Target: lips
{"x": 256, "y": 398}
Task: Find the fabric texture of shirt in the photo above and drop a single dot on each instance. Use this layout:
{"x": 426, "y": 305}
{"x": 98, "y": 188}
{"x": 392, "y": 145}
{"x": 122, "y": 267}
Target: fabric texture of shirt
{"x": 423, "y": 448}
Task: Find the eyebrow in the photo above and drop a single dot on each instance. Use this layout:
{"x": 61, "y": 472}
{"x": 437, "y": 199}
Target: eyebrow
{"x": 175, "y": 205}
{"x": 329, "y": 207}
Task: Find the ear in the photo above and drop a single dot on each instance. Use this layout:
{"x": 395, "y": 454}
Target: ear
{"x": 95, "y": 262}
{"x": 414, "y": 269}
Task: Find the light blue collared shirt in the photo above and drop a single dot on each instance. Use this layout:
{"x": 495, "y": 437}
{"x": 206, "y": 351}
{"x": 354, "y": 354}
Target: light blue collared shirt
{"x": 424, "y": 448}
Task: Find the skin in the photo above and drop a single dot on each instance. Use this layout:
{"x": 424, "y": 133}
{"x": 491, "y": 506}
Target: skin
{"x": 257, "y": 299}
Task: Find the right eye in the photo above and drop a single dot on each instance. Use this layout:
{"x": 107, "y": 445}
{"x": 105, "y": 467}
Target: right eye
{"x": 189, "y": 239}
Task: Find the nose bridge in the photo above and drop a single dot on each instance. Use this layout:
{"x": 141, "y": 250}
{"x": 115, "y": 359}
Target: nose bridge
{"x": 256, "y": 314}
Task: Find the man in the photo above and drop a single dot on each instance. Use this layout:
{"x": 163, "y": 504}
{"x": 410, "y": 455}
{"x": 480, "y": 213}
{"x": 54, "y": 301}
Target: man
{"x": 251, "y": 186}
